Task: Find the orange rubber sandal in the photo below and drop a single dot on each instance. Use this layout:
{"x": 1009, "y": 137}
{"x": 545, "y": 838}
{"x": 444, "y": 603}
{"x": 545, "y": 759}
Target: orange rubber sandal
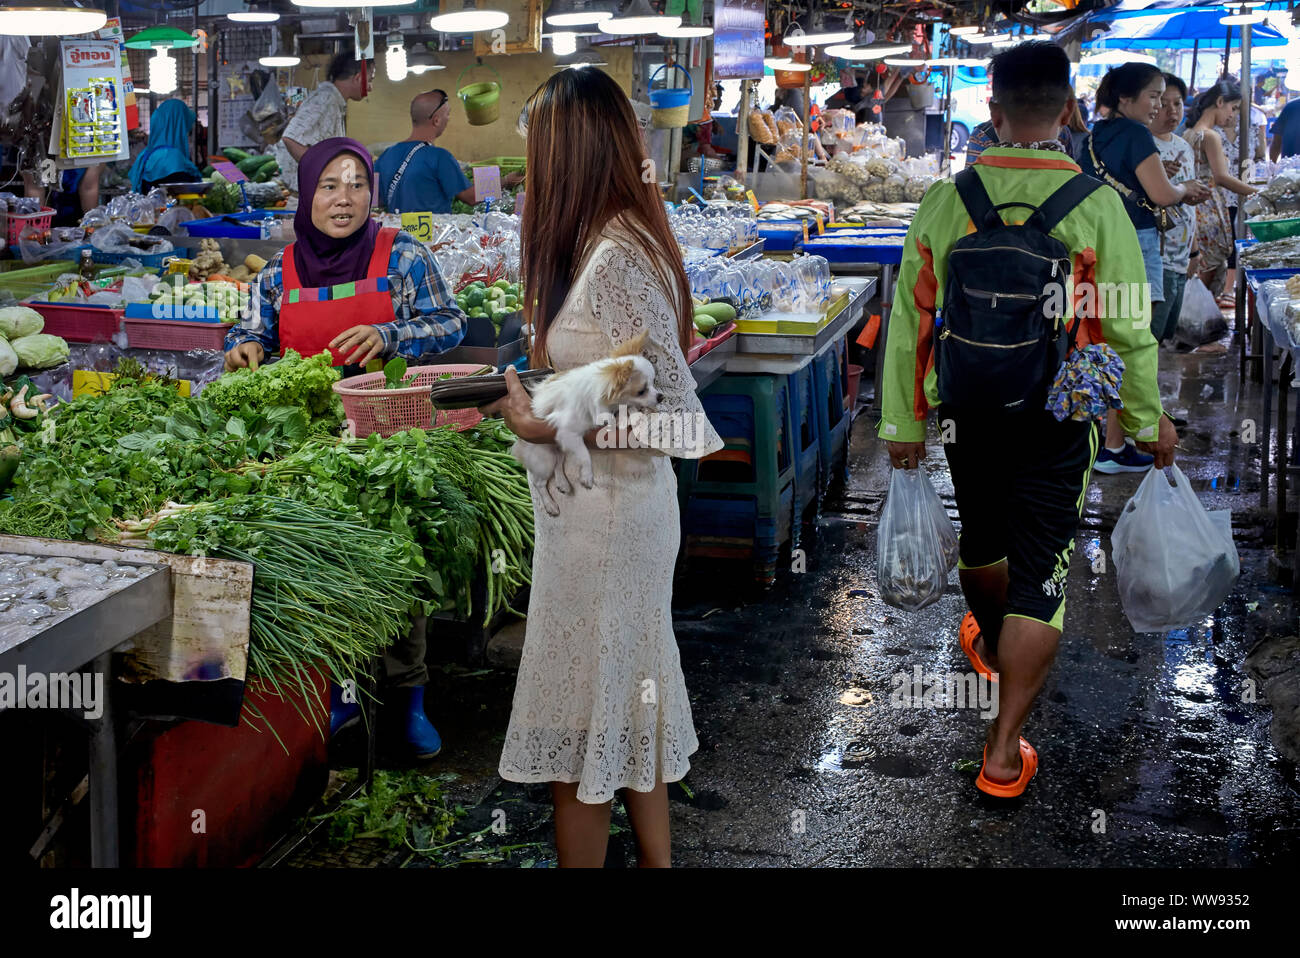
{"x": 969, "y": 632}
{"x": 1028, "y": 769}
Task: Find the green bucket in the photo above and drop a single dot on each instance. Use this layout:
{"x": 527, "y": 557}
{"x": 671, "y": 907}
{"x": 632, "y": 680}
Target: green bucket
{"x": 482, "y": 100}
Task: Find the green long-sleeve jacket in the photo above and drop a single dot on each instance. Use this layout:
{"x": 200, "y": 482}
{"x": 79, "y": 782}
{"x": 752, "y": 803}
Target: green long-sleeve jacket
{"x": 1108, "y": 270}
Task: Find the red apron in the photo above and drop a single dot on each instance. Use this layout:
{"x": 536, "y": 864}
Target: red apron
{"x": 310, "y": 317}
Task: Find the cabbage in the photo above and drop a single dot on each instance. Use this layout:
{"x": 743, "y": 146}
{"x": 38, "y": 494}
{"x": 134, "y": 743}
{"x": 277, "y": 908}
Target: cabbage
{"x": 40, "y": 351}
{"x": 8, "y": 358}
{"x": 19, "y": 321}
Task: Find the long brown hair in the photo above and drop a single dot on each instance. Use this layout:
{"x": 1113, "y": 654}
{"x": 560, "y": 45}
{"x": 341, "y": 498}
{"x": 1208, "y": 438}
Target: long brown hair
{"x": 585, "y": 147}
{"x": 1075, "y": 122}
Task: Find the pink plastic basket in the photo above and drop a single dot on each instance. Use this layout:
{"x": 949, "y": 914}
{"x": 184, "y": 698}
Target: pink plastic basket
{"x": 79, "y": 324}
{"x": 369, "y": 407}
{"x": 174, "y": 334}
{"x": 20, "y": 221}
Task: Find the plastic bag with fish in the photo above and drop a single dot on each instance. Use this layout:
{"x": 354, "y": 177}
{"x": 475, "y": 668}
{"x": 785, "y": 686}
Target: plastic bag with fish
{"x": 911, "y": 564}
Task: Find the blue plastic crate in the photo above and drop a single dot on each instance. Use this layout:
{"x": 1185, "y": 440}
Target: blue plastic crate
{"x": 838, "y": 252}
{"x": 147, "y": 260}
{"x": 246, "y": 225}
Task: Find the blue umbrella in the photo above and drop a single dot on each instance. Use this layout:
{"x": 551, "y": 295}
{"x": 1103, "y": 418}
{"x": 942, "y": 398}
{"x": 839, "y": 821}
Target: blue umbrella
{"x": 1173, "y": 28}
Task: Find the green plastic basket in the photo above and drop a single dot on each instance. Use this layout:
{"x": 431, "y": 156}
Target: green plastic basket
{"x": 1266, "y": 230}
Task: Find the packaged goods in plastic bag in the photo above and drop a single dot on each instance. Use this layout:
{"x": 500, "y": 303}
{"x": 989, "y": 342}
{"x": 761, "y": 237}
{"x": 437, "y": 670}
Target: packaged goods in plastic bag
{"x": 1174, "y": 561}
{"x": 911, "y": 567}
{"x": 1201, "y": 320}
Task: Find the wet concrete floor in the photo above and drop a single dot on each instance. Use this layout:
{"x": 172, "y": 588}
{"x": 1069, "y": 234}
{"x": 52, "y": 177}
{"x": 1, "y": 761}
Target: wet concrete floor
{"x": 1152, "y": 753}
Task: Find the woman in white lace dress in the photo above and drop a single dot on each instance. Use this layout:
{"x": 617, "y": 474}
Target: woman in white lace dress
{"x": 600, "y": 705}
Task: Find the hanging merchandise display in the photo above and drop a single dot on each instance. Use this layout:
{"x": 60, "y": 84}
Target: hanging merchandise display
{"x": 94, "y": 115}
{"x": 112, "y": 30}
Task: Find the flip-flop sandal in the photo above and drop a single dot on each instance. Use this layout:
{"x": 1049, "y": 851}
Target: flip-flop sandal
{"x": 969, "y": 632}
{"x": 1028, "y": 769}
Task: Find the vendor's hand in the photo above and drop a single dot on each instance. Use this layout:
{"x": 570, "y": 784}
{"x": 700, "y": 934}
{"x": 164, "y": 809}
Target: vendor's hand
{"x": 248, "y": 354}
{"x": 906, "y": 455}
{"x": 512, "y": 179}
{"x": 517, "y": 411}
{"x": 1163, "y": 447}
{"x": 359, "y": 345}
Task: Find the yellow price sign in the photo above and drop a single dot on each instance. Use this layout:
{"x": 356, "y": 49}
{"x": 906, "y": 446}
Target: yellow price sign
{"x": 419, "y": 225}
{"x": 805, "y": 231}
{"x": 753, "y": 200}
{"x": 820, "y": 227}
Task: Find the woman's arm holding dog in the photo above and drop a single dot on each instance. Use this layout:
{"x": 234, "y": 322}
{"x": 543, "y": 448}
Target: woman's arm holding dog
{"x": 517, "y": 411}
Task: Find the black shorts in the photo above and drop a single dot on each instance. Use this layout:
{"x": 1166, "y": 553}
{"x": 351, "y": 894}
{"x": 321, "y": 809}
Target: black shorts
{"x": 1020, "y": 483}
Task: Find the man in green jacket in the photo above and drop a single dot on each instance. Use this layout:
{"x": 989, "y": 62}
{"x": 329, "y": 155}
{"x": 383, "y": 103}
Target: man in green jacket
{"x": 1020, "y": 476}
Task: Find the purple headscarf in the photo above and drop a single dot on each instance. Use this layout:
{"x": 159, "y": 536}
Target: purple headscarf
{"x": 323, "y": 260}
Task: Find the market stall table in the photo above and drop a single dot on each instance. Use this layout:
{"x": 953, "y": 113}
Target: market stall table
{"x": 86, "y": 636}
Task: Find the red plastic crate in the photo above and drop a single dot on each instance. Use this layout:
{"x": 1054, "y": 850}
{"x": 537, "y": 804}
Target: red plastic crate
{"x": 20, "y": 221}
{"x": 79, "y": 324}
{"x": 174, "y": 334}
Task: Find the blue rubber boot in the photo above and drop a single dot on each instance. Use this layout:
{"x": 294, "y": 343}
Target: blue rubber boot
{"x": 342, "y": 714}
{"x": 420, "y": 733}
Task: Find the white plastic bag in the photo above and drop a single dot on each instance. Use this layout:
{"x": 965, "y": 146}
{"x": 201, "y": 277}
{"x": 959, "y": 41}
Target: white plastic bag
{"x": 910, "y": 563}
{"x": 1174, "y": 562}
{"x": 943, "y": 526}
{"x": 1200, "y": 320}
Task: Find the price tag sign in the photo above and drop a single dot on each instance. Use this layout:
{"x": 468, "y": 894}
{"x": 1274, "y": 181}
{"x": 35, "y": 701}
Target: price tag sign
{"x": 419, "y": 225}
{"x": 753, "y": 200}
{"x": 229, "y": 171}
{"x": 820, "y": 226}
{"x": 487, "y": 183}
{"x": 805, "y": 231}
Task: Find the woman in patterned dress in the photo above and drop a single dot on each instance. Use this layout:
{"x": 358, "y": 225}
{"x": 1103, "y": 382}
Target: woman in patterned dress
{"x": 1217, "y": 106}
{"x": 600, "y": 704}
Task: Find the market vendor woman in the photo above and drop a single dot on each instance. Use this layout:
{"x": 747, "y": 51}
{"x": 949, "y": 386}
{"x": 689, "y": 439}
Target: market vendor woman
{"x": 344, "y": 284}
{"x": 361, "y": 292}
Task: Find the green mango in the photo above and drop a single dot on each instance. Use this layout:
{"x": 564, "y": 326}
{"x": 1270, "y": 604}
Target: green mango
{"x": 722, "y": 312}
{"x": 705, "y": 323}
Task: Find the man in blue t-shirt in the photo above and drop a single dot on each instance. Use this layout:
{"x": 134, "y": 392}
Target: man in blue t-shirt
{"x": 1286, "y": 132}
{"x": 416, "y": 176}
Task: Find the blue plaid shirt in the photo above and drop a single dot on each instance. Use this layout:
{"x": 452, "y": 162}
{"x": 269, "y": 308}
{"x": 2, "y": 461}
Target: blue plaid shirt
{"x": 427, "y": 319}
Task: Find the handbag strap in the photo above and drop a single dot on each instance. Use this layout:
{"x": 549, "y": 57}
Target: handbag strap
{"x": 397, "y": 177}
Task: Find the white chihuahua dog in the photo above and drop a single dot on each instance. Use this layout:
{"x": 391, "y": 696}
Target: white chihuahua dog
{"x": 577, "y": 401}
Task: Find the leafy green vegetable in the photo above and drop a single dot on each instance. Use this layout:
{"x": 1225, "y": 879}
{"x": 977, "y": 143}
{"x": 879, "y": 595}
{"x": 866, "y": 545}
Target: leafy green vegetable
{"x": 395, "y": 373}
{"x": 292, "y": 381}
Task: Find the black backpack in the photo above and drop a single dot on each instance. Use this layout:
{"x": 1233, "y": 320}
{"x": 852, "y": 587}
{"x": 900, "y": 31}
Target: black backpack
{"x": 999, "y": 339}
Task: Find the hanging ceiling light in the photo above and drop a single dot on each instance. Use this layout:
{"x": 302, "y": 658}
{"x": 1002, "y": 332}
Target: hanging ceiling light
{"x": 877, "y": 50}
{"x": 469, "y": 19}
{"x": 278, "y": 60}
{"x": 423, "y": 60}
{"x": 785, "y": 63}
{"x": 162, "y": 72}
{"x": 254, "y": 14}
{"x": 576, "y": 13}
{"x": 905, "y": 62}
{"x": 964, "y": 31}
{"x": 686, "y": 32}
{"x": 564, "y": 43}
{"x": 638, "y": 18}
{"x": 395, "y": 57}
{"x": 1243, "y": 18}
{"x": 796, "y": 36}
{"x": 980, "y": 38}
{"x": 48, "y": 20}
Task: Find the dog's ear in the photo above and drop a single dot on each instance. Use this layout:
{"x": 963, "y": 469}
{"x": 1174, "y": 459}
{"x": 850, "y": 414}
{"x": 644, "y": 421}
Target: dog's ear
{"x": 633, "y": 346}
{"x": 617, "y": 376}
